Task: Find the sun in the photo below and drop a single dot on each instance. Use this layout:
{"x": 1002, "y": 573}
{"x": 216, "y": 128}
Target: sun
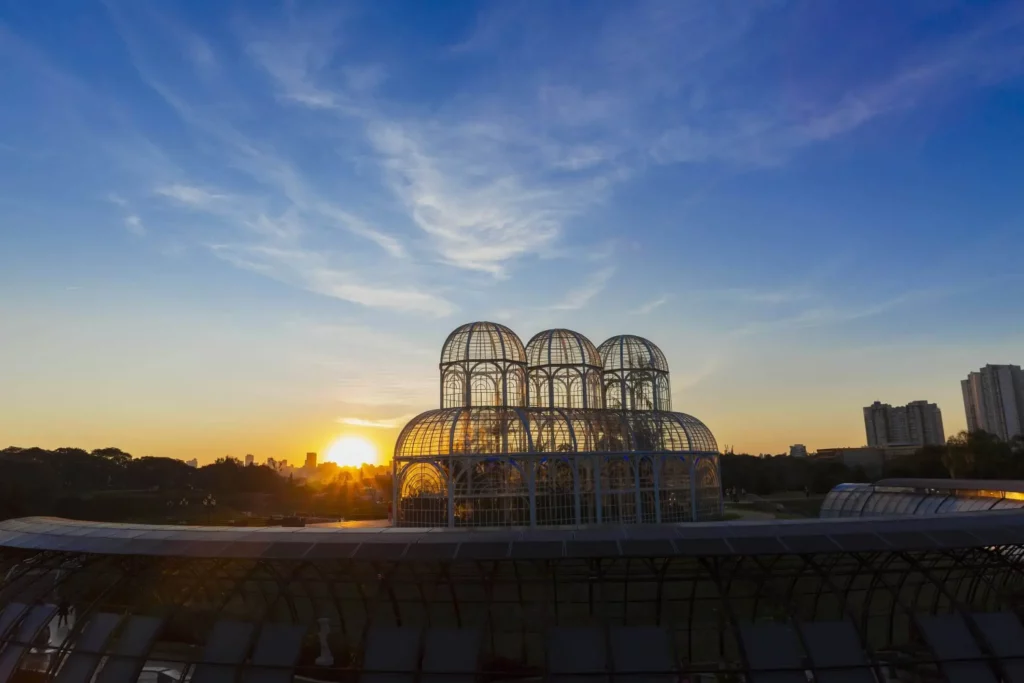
{"x": 352, "y": 451}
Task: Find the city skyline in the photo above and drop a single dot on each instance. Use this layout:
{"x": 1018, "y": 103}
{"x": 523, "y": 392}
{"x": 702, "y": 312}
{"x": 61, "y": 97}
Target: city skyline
{"x": 248, "y": 230}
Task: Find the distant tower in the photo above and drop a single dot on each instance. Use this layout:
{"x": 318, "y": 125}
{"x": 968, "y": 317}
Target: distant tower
{"x": 994, "y": 400}
{"x": 249, "y": 460}
{"x": 918, "y": 423}
{"x": 310, "y": 461}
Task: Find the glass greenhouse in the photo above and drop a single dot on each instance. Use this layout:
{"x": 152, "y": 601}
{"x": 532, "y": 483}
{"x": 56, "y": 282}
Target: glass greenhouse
{"x": 921, "y": 497}
{"x": 556, "y": 432}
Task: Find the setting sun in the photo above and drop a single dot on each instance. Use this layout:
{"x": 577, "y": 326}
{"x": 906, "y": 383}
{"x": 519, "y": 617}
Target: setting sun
{"x": 352, "y": 451}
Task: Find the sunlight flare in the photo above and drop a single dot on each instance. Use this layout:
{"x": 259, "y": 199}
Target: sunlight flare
{"x": 352, "y": 451}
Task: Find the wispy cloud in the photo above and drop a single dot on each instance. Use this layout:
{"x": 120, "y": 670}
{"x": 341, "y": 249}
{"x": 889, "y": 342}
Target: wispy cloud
{"x": 293, "y": 232}
{"x": 345, "y": 187}
{"x": 986, "y": 53}
{"x": 292, "y": 55}
{"x": 134, "y": 225}
{"x": 503, "y": 172}
{"x": 657, "y": 81}
{"x": 650, "y": 306}
{"x": 313, "y": 271}
{"x": 480, "y": 189}
{"x": 132, "y": 221}
{"x": 479, "y": 217}
{"x": 579, "y": 297}
{"x": 192, "y": 196}
{"x": 389, "y": 423}
{"x": 832, "y": 314}
{"x": 751, "y": 295}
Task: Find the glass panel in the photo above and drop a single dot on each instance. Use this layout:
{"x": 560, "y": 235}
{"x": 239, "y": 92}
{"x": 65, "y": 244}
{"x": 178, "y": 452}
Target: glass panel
{"x": 136, "y": 638}
{"x": 908, "y": 503}
{"x": 83, "y": 660}
{"x": 855, "y": 504}
{"x": 930, "y": 504}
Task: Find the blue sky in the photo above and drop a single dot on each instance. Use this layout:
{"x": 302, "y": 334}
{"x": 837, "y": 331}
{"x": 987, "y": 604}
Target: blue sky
{"x": 248, "y": 227}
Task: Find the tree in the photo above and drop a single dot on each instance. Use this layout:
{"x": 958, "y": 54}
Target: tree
{"x": 958, "y": 457}
{"x": 114, "y": 455}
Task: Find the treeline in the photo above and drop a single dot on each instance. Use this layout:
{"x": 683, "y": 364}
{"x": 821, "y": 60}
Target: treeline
{"x": 774, "y": 474}
{"x": 977, "y": 455}
{"x": 110, "y": 484}
{"x": 964, "y": 456}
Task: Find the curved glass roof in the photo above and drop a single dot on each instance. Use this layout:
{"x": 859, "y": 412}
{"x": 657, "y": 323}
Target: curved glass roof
{"x": 561, "y": 347}
{"x": 920, "y": 497}
{"x": 629, "y": 352}
{"x": 499, "y": 431}
{"x": 782, "y": 601}
{"x": 482, "y": 341}
{"x": 977, "y": 530}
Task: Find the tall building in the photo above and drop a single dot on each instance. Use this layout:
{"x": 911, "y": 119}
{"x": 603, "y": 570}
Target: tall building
{"x": 918, "y": 423}
{"x": 994, "y": 400}
{"x": 798, "y": 451}
{"x": 310, "y": 461}
{"x": 249, "y": 460}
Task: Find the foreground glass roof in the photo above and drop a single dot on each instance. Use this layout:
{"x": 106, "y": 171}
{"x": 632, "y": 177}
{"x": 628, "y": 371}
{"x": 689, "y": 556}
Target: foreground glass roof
{"x": 855, "y": 600}
{"x": 705, "y": 539}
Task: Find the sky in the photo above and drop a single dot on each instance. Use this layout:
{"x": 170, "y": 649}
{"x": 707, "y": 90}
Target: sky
{"x": 247, "y": 227}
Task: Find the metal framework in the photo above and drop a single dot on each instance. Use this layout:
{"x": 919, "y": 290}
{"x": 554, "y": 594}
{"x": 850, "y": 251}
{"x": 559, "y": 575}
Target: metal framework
{"x": 912, "y": 599}
{"x": 635, "y": 374}
{"x": 538, "y": 466}
{"x": 525, "y": 437}
{"x": 483, "y": 364}
{"x": 563, "y": 371}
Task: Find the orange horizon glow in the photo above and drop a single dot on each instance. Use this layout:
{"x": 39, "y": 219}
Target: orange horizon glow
{"x": 352, "y": 451}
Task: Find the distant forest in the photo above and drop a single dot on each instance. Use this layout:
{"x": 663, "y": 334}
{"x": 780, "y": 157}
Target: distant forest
{"x": 111, "y": 485}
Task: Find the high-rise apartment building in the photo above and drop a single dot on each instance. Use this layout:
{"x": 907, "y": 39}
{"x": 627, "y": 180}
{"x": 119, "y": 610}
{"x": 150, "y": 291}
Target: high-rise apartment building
{"x": 918, "y": 423}
{"x": 249, "y": 460}
{"x": 310, "y": 461}
{"x": 994, "y": 400}
{"x": 798, "y": 451}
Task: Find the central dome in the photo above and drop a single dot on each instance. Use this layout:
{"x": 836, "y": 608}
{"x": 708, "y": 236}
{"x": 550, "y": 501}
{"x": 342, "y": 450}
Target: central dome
{"x": 561, "y": 347}
{"x": 563, "y": 371}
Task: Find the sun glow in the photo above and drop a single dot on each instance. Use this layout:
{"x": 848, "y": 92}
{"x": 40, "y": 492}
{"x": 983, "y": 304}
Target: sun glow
{"x": 352, "y": 451}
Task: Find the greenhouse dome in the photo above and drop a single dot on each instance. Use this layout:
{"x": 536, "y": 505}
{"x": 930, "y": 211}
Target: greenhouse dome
{"x": 563, "y": 371}
{"x": 635, "y": 374}
{"x": 483, "y": 364}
